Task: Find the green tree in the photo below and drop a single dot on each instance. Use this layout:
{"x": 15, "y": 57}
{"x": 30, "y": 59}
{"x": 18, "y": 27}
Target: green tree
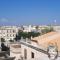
{"x": 2, "y": 40}
{"x": 11, "y": 40}
{"x": 37, "y": 27}
{"x": 47, "y": 29}
{"x": 26, "y": 35}
{"x": 33, "y": 34}
{"x": 51, "y": 28}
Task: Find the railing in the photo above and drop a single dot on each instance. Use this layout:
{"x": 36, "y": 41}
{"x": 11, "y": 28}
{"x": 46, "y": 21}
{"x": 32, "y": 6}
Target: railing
{"x": 34, "y": 47}
{"x": 38, "y": 46}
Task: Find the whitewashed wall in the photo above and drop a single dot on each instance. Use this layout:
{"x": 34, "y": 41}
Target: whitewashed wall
{"x": 37, "y": 55}
{"x": 15, "y": 52}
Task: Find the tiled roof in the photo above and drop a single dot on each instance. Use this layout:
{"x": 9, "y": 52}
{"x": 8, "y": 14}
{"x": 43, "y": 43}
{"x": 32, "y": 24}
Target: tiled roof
{"x": 46, "y": 39}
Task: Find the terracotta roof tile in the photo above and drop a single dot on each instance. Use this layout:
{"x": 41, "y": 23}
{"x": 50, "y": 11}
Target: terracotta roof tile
{"x": 51, "y": 37}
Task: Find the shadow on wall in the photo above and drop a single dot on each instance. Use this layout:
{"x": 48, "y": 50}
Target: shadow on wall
{"x": 5, "y": 48}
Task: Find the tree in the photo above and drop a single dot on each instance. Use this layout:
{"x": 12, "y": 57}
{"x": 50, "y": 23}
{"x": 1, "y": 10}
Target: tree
{"x": 11, "y": 40}
{"x": 51, "y": 28}
{"x": 34, "y": 34}
{"x": 4, "y": 48}
{"x": 17, "y": 37}
{"x": 26, "y": 35}
{"x": 2, "y": 40}
{"x": 47, "y": 29}
{"x": 37, "y": 27}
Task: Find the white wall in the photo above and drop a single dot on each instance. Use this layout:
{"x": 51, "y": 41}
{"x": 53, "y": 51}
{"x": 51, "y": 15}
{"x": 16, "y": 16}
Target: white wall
{"x": 15, "y": 52}
{"x": 38, "y": 55}
{"x": 10, "y": 34}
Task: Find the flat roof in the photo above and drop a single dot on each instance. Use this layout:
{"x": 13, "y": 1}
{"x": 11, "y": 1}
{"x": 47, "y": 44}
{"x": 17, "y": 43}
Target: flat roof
{"x": 16, "y": 46}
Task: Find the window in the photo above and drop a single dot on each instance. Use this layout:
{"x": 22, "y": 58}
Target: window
{"x": 25, "y": 53}
{"x": 10, "y": 35}
{"x": 13, "y": 31}
{"x": 7, "y": 35}
{"x": 7, "y": 31}
{"x": 32, "y": 55}
{"x": 13, "y": 35}
{"x": 10, "y": 31}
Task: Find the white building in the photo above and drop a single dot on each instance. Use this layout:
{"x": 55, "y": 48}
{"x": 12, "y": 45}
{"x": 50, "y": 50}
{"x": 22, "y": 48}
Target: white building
{"x": 8, "y": 32}
{"x": 15, "y": 51}
{"x": 56, "y": 28}
{"x": 29, "y": 52}
{"x": 34, "y": 28}
{"x": 38, "y": 49}
{"x": 45, "y": 47}
{"x": 27, "y": 28}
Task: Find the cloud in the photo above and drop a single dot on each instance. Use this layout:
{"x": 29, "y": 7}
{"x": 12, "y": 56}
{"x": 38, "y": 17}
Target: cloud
{"x": 7, "y": 21}
{"x": 4, "y": 20}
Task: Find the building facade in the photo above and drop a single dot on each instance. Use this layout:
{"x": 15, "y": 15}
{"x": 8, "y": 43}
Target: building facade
{"x": 29, "y": 52}
{"x": 15, "y": 51}
{"x": 8, "y": 32}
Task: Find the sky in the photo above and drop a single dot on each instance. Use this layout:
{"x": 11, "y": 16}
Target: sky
{"x": 29, "y": 12}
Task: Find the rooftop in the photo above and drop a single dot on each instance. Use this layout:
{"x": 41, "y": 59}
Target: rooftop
{"x": 16, "y": 46}
{"x": 46, "y": 39}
